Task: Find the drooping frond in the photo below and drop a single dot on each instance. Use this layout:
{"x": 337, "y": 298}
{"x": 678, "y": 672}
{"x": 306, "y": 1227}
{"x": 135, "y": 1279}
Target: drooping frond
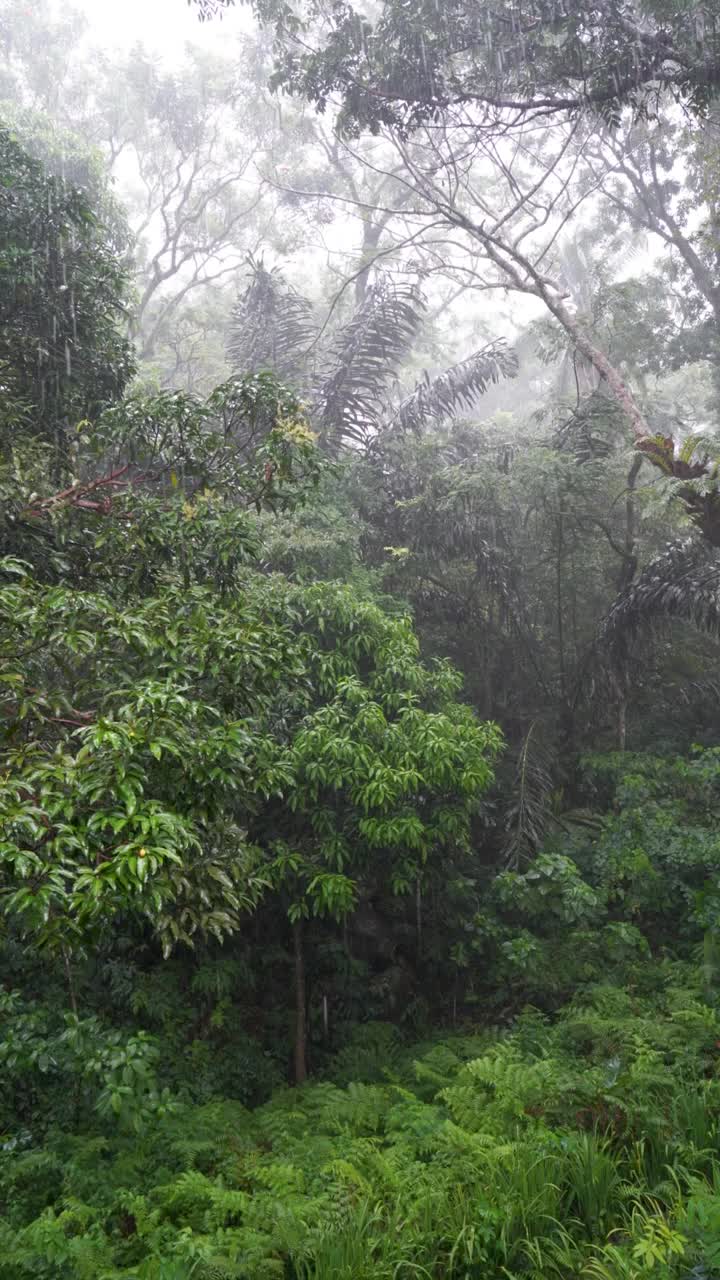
{"x": 537, "y": 809}
{"x": 683, "y": 583}
{"x": 589, "y": 430}
{"x": 528, "y": 816}
{"x": 364, "y": 356}
{"x": 434, "y": 400}
{"x": 272, "y": 327}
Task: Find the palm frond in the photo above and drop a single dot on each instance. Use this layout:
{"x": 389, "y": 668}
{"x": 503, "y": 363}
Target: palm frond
{"x": 590, "y": 430}
{"x": 364, "y": 356}
{"x": 530, "y": 814}
{"x": 434, "y": 400}
{"x": 683, "y": 583}
{"x": 272, "y": 327}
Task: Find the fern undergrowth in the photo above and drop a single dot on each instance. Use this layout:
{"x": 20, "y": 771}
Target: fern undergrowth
{"x": 589, "y": 1145}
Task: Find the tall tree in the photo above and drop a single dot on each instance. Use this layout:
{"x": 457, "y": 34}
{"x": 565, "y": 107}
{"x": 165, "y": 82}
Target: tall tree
{"x": 541, "y": 78}
{"x": 183, "y": 146}
{"x": 63, "y": 311}
{"x": 184, "y": 736}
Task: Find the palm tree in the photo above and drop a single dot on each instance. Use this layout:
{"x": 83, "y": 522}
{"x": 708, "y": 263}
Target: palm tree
{"x": 682, "y": 583}
{"x": 350, "y": 380}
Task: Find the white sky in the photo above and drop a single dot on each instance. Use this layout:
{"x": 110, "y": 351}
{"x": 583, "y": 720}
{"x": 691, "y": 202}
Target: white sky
{"x": 165, "y": 25}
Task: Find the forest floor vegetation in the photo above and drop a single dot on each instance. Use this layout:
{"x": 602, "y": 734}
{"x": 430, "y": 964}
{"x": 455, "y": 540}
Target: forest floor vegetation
{"x": 587, "y": 1144}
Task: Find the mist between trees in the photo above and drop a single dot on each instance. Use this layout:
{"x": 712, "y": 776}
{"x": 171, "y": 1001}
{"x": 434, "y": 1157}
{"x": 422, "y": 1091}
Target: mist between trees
{"x": 359, "y": 641}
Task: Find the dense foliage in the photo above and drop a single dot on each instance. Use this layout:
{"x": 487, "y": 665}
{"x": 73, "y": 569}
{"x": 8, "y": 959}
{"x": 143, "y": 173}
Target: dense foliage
{"x": 589, "y": 1141}
{"x": 538, "y": 59}
{"x": 589, "y": 1145}
{"x": 359, "y": 767}
{"x": 63, "y": 354}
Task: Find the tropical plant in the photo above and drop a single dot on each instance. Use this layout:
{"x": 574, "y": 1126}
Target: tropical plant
{"x": 184, "y": 734}
{"x": 477, "y": 1155}
{"x": 682, "y": 583}
{"x": 349, "y": 377}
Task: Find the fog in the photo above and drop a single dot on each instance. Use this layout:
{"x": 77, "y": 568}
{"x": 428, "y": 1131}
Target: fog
{"x": 359, "y": 640}
{"x": 164, "y": 24}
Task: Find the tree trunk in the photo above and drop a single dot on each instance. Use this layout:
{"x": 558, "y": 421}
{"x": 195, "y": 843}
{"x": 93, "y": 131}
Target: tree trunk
{"x": 70, "y": 982}
{"x": 300, "y": 1010}
{"x": 371, "y": 240}
{"x": 621, "y": 693}
{"x": 560, "y": 622}
{"x": 622, "y": 722}
{"x": 629, "y": 566}
{"x": 524, "y": 275}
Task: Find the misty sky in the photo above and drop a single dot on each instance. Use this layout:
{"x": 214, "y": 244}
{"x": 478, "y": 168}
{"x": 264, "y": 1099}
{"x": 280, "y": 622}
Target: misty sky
{"x": 167, "y": 26}
{"x": 164, "y": 24}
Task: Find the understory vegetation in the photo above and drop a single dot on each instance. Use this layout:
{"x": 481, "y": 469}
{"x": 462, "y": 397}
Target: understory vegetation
{"x": 586, "y": 1144}
{"x": 360, "y": 643}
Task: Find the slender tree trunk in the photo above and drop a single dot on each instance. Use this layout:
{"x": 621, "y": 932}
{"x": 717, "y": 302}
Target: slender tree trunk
{"x": 486, "y": 652}
{"x": 418, "y": 917}
{"x": 300, "y": 1009}
{"x": 77, "y": 1093}
{"x": 622, "y": 722}
{"x": 70, "y": 982}
{"x": 627, "y": 573}
{"x": 371, "y": 240}
{"x": 559, "y": 599}
{"x": 573, "y": 606}
{"x": 629, "y": 565}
